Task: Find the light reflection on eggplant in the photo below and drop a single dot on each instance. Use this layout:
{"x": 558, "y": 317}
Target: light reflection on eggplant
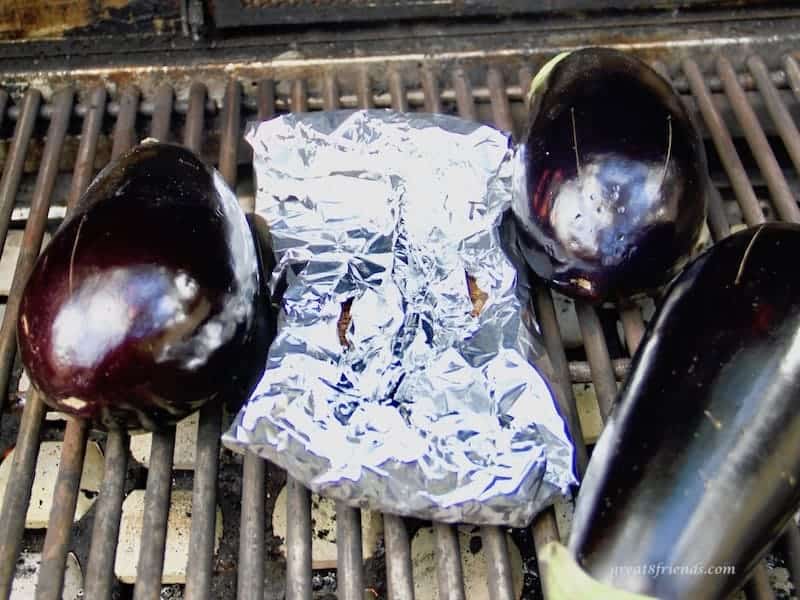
{"x": 699, "y": 464}
{"x": 148, "y": 302}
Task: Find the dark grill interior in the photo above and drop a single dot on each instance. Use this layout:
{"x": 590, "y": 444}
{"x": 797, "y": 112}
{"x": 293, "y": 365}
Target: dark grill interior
{"x": 55, "y": 142}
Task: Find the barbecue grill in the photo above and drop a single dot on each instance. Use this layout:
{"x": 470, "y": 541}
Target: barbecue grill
{"x": 69, "y": 105}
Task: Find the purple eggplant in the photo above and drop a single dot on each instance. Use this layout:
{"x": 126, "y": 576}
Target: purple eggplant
{"x": 612, "y": 193}
{"x": 148, "y": 302}
{"x": 698, "y": 468}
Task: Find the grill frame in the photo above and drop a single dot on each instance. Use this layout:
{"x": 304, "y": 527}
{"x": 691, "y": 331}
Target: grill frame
{"x": 720, "y": 87}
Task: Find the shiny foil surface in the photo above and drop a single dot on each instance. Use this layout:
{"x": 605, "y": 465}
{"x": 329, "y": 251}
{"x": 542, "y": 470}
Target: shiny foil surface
{"x": 401, "y": 377}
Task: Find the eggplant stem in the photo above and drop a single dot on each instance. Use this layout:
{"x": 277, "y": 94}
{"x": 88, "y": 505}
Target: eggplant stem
{"x": 74, "y": 250}
{"x": 746, "y": 255}
{"x": 575, "y": 140}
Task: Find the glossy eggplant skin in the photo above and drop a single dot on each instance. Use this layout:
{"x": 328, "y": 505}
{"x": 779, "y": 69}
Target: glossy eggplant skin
{"x": 148, "y": 301}
{"x": 611, "y": 195}
{"x": 699, "y": 464}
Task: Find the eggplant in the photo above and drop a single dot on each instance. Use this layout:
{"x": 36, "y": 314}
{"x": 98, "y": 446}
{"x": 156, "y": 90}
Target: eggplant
{"x": 611, "y": 191}
{"x": 148, "y": 302}
{"x": 697, "y": 469}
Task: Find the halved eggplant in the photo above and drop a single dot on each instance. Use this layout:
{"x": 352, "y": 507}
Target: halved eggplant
{"x": 148, "y": 302}
{"x": 698, "y": 467}
{"x": 612, "y": 192}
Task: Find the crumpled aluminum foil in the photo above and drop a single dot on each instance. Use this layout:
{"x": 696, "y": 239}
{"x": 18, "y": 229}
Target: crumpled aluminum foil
{"x": 418, "y": 406}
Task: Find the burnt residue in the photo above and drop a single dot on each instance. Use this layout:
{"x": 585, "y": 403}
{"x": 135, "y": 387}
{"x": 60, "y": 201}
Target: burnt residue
{"x": 160, "y": 17}
{"x": 47, "y": 19}
{"x": 343, "y": 324}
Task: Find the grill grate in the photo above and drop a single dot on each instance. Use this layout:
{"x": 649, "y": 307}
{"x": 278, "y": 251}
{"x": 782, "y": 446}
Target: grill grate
{"x": 725, "y": 102}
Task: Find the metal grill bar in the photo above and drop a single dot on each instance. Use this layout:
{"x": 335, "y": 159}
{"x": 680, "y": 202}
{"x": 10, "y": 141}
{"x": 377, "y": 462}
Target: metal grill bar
{"x": 84, "y": 160}
{"x": 449, "y": 575}
{"x": 430, "y": 89}
{"x": 717, "y": 219}
{"x": 299, "y": 96}
{"x": 463, "y": 92}
{"x": 204, "y": 498}
{"x": 250, "y": 580}
{"x": 229, "y": 147}
{"x": 724, "y": 145}
{"x": 792, "y": 74}
{"x": 15, "y": 504}
{"x": 298, "y": 541}
{"x": 200, "y": 563}
{"x": 498, "y": 97}
{"x": 9, "y": 185}
{"x": 330, "y": 96}
{"x": 364, "y": 89}
{"x": 330, "y": 92}
{"x": 398, "y": 559}
{"x": 594, "y": 342}
{"x": 250, "y": 576}
{"x": 266, "y": 99}
{"x": 397, "y": 91}
{"x": 544, "y": 529}
{"x": 103, "y": 549}
{"x": 156, "y": 513}
{"x": 12, "y": 172}
{"x": 65, "y": 498}
{"x": 546, "y": 312}
{"x": 498, "y": 564}
{"x": 162, "y": 113}
{"x": 125, "y": 129}
{"x": 762, "y": 152}
{"x": 777, "y": 109}
{"x": 757, "y": 587}
{"x": 633, "y": 326}
{"x": 193, "y": 131}
{"x": 581, "y": 372}
{"x": 349, "y": 560}
{"x": 525, "y": 80}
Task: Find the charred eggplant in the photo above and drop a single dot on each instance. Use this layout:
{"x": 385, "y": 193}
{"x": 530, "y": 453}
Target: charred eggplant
{"x": 698, "y": 467}
{"x": 612, "y": 190}
{"x": 148, "y": 302}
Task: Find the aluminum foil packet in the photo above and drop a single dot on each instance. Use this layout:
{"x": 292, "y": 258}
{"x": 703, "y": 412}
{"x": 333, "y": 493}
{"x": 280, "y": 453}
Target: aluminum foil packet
{"x": 400, "y": 377}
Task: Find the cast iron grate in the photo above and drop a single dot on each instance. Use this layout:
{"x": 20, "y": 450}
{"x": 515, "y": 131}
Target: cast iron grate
{"x": 748, "y": 118}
